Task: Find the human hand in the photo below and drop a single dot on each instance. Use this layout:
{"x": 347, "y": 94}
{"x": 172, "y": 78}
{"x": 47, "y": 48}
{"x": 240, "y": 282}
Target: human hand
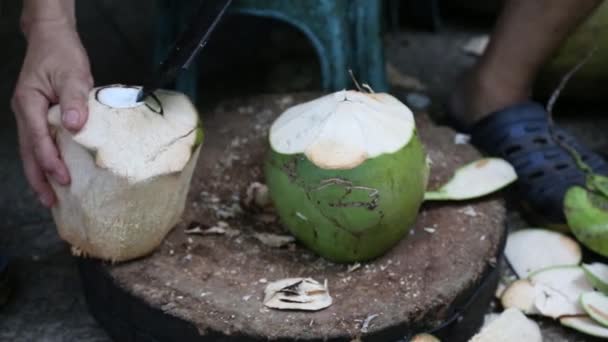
{"x": 55, "y": 70}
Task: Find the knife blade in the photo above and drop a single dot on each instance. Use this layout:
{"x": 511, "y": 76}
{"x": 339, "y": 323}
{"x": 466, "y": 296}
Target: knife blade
{"x": 187, "y": 46}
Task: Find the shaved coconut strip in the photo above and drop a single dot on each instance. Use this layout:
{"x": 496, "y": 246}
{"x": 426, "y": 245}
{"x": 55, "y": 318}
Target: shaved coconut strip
{"x": 475, "y": 179}
{"x": 596, "y": 306}
{"x": 343, "y": 129}
{"x": 585, "y": 325}
{"x": 558, "y": 290}
{"x": 597, "y": 274}
{"x": 529, "y": 250}
{"x": 510, "y": 326}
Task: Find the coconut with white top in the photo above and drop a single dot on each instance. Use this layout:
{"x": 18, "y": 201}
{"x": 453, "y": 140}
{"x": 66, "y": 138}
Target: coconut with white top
{"x": 130, "y": 167}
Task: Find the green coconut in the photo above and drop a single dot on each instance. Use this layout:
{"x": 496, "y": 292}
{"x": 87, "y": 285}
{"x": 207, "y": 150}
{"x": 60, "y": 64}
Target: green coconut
{"x": 587, "y": 216}
{"x": 347, "y": 173}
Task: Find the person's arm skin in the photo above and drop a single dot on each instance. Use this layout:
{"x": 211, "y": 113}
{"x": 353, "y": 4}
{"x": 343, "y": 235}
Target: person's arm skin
{"x": 55, "y": 70}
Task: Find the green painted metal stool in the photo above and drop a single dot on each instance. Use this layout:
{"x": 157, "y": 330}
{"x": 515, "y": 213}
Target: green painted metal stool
{"x": 346, "y": 34}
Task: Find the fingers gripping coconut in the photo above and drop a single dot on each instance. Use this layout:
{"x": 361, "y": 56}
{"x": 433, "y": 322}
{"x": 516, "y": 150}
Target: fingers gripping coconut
{"x": 347, "y": 173}
{"x": 131, "y": 166}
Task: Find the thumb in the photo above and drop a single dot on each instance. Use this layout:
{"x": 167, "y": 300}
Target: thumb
{"x": 73, "y": 91}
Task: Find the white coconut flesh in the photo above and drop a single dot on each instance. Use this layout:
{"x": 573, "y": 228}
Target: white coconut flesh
{"x": 585, "y": 325}
{"x": 558, "y": 289}
{"x": 475, "y": 179}
{"x": 520, "y": 295}
{"x": 343, "y": 129}
{"x": 511, "y": 326}
{"x": 597, "y": 274}
{"x": 596, "y": 305}
{"x": 529, "y": 250}
{"x": 130, "y": 139}
{"x": 119, "y": 97}
{"x": 424, "y": 338}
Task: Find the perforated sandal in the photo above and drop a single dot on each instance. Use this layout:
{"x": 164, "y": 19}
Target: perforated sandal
{"x": 520, "y": 134}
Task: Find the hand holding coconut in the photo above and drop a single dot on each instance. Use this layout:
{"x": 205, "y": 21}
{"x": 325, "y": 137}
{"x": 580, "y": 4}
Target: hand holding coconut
{"x": 55, "y": 70}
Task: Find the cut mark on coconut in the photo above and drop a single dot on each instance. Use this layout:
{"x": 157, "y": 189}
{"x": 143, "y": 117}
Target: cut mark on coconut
{"x": 511, "y": 326}
{"x": 530, "y": 250}
{"x": 474, "y": 180}
{"x": 596, "y": 305}
{"x": 558, "y": 289}
{"x": 597, "y": 274}
{"x": 585, "y": 325}
{"x": 297, "y": 294}
{"x": 520, "y": 295}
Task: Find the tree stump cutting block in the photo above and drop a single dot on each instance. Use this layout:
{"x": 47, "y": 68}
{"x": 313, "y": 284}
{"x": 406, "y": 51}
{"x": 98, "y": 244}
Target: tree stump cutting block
{"x": 438, "y": 279}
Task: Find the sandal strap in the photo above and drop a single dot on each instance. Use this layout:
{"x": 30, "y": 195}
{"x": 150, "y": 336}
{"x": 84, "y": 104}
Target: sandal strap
{"x": 520, "y": 134}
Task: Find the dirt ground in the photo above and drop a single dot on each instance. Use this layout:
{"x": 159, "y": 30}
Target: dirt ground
{"x": 48, "y": 304}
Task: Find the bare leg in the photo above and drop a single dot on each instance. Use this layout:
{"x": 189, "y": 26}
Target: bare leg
{"x": 527, "y": 33}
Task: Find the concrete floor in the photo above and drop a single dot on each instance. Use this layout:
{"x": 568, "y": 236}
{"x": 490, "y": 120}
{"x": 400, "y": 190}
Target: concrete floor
{"x": 48, "y": 304}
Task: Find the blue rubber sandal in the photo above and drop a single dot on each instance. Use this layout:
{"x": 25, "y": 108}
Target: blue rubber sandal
{"x": 520, "y": 134}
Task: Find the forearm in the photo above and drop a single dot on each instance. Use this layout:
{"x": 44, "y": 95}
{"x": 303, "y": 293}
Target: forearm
{"x": 47, "y": 13}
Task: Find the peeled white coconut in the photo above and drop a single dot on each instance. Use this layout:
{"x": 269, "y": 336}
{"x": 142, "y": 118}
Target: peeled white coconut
{"x": 511, "y": 326}
{"x": 131, "y": 166}
{"x": 297, "y": 294}
{"x": 475, "y": 179}
{"x": 585, "y": 325}
{"x": 529, "y": 250}
{"x": 521, "y": 295}
{"x": 597, "y": 274}
{"x": 558, "y": 290}
{"x": 596, "y": 305}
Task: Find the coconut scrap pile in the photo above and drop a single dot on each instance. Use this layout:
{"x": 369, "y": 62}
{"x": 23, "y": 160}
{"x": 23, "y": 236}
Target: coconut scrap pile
{"x": 551, "y": 280}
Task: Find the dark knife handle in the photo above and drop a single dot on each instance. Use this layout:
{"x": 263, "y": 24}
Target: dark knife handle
{"x": 188, "y": 45}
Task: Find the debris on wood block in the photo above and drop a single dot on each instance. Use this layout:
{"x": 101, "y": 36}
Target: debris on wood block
{"x": 297, "y": 294}
{"x": 511, "y": 326}
{"x": 274, "y": 240}
{"x": 222, "y": 228}
{"x": 257, "y": 196}
{"x": 367, "y": 323}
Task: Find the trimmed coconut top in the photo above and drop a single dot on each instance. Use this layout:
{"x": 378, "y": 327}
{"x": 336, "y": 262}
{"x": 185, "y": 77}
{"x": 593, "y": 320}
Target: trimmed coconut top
{"x": 133, "y": 139}
{"x": 343, "y": 129}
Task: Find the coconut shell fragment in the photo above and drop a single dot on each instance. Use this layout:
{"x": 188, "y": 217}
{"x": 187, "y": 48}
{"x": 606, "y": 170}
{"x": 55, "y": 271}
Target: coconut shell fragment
{"x": 596, "y": 305}
{"x": 474, "y": 180}
{"x": 511, "y": 326}
{"x": 597, "y": 274}
{"x": 586, "y": 325}
{"x": 297, "y": 294}
{"x": 529, "y": 250}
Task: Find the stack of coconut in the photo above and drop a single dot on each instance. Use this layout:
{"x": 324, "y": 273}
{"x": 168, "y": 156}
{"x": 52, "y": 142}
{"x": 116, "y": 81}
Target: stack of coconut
{"x": 552, "y": 281}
